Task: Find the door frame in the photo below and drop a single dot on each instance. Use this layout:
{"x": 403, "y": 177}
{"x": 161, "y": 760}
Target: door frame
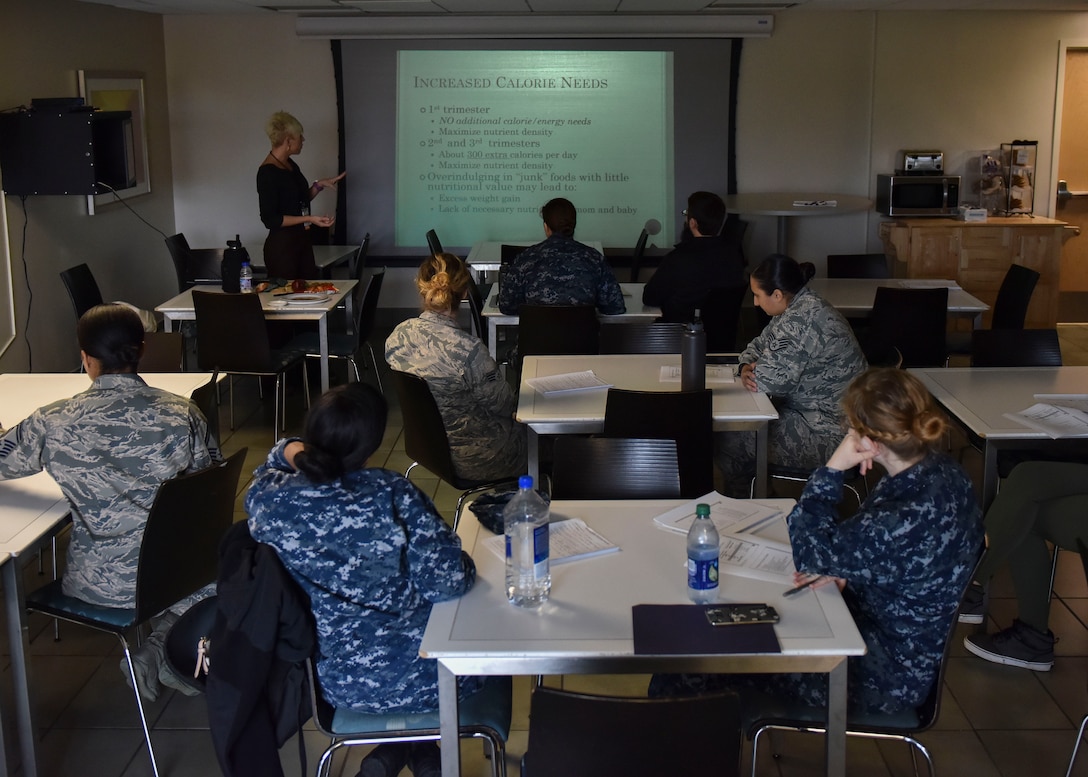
{"x": 1059, "y": 97}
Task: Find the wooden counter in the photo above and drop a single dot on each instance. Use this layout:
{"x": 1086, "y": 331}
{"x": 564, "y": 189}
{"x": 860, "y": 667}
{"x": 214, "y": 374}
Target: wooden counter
{"x": 977, "y": 254}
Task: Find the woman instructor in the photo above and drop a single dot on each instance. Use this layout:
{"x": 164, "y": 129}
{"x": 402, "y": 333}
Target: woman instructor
{"x": 284, "y": 197}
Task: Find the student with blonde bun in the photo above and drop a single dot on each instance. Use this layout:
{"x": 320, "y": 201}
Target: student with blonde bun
{"x": 476, "y": 403}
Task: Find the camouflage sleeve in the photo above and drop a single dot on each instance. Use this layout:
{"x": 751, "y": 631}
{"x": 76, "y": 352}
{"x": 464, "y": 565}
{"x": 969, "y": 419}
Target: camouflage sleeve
{"x": 204, "y": 447}
{"x": 436, "y": 564}
{"x": 609, "y": 294}
{"x": 782, "y": 357}
{"x": 491, "y": 392}
{"x": 21, "y": 448}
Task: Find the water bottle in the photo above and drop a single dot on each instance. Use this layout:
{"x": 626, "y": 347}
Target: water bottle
{"x": 245, "y": 278}
{"x": 693, "y": 356}
{"x": 703, "y": 557}
{"x": 525, "y": 520}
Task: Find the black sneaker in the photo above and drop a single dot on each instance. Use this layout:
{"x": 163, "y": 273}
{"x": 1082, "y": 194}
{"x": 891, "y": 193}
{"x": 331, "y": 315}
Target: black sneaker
{"x": 1021, "y": 645}
{"x": 425, "y": 760}
{"x": 973, "y": 606}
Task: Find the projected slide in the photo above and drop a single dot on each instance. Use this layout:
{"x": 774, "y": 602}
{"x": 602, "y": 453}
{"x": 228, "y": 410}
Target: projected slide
{"x": 484, "y": 138}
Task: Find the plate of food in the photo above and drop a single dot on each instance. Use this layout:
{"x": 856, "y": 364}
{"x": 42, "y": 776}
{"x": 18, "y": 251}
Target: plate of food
{"x": 306, "y": 298}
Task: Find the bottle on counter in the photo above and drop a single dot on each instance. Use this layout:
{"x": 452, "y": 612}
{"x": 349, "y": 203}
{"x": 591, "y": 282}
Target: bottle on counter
{"x": 703, "y": 552}
{"x": 245, "y": 278}
{"x": 525, "y": 521}
{"x": 693, "y": 356}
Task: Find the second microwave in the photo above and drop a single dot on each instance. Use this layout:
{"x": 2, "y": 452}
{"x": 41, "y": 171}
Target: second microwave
{"x": 917, "y": 195}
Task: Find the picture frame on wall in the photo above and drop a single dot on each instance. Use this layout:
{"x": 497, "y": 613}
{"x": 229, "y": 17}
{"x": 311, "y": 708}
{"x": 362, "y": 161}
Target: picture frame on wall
{"x": 120, "y": 91}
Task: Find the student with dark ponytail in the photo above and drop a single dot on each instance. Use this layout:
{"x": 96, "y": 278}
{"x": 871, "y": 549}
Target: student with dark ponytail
{"x": 804, "y": 359}
{"x": 372, "y": 553}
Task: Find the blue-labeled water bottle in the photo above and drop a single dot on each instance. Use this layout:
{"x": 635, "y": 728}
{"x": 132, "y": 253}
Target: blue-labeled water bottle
{"x": 245, "y": 278}
{"x": 703, "y": 557}
{"x": 525, "y": 521}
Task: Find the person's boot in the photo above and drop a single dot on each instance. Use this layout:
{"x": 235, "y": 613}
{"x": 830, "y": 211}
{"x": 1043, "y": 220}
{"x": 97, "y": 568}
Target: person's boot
{"x": 384, "y": 761}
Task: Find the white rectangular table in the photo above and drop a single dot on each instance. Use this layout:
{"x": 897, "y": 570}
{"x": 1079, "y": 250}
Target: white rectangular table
{"x": 853, "y": 297}
{"x": 327, "y": 257}
{"x": 32, "y": 509}
{"x": 733, "y": 406}
{"x": 486, "y": 255}
{"x": 585, "y": 627}
{"x": 180, "y": 308}
{"x": 978, "y": 398}
{"x": 632, "y": 298}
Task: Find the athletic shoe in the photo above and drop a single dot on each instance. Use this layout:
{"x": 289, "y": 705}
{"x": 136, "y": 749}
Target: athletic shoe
{"x": 384, "y": 760}
{"x": 973, "y": 606}
{"x": 1020, "y": 645}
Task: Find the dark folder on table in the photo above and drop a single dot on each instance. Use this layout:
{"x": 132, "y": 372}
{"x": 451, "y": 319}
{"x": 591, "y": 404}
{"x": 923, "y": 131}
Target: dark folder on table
{"x": 682, "y": 629}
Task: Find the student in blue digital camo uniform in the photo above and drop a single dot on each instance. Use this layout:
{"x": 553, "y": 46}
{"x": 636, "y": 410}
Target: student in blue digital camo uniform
{"x": 476, "y": 403}
{"x": 109, "y": 448}
{"x": 372, "y": 553}
{"x": 902, "y": 560}
{"x": 560, "y": 270}
{"x": 803, "y": 359}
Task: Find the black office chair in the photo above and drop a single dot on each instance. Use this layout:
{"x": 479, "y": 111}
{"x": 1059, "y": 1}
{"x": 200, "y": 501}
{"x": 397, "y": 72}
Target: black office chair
{"x": 476, "y": 308}
{"x": 1010, "y": 308}
{"x": 720, "y": 312}
{"x": 766, "y": 713}
{"x": 507, "y": 252}
{"x": 82, "y": 288}
{"x": 1015, "y": 348}
{"x": 614, "y": 468}
{"x": 163, "y": 352}
{"x": 179, "y": 555}
{"x": 640, "y": 338}
{"x": 195, "y": 266}
{"x": 426, "y": 442}
{"x": 857, "y": 266}
{"x": 434, "y": 243}
{"x": 583, "y": 735}
{"x": 636, "y": 255}
{"x": 557, "y": 329}
{"x": 346, "y": 345}
{"x": 683, "y": 416}
{"x": 232, "y": 337}
{"x": 485, "y": 715}
{"x": 911, "y": 322}
{"x": 358, "y": 259}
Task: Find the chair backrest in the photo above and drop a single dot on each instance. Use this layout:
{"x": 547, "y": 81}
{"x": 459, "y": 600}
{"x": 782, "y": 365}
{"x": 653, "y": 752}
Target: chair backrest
{"x": 1013, "y": 297}
{"x": 476, "y": 308}
{"x": 231, "y": 334}
{"x": 206, "y": 398}
{"x": 425, "y": 439}
{"x": 194, "y": 265}
{"x": 614, "y": 468}
{"x": 640, "y": 338}
{"x": 366, "y": 306}
{"x": 1015, "y": 348}
{"x": 911, "y": 320}
{"x": 857, "y": 266}
{"x": 179, "y": 253}
{"x": 720, "y": 312}
{"x": 557, "y": 329}
{"x": 433, "y": 243}
{"x": 358, "y": 261}
{"x": 163, "y": 352}
{"x": 583, "y": 735}
{"x": 507, "y": 252}
{"x": 82, "y": 288}
{"x": 636, "y": 255}
{"x": 179, "y": 553}
{"x": 683, "y": 416}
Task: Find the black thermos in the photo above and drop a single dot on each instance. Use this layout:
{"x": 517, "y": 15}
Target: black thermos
{"x": 231, "y": 268}
{"x": 693, "y": 356}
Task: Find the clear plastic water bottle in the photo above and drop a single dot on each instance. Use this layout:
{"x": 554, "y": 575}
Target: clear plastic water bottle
{"x": 245, "y": 278}
{"x": 703, "y": 557}
{"x": 525, "y": 520}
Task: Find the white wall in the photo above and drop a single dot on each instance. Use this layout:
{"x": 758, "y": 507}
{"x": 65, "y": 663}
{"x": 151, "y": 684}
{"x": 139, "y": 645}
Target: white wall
{"x": 226, "y": 76}
{"x": 43, "y": 43}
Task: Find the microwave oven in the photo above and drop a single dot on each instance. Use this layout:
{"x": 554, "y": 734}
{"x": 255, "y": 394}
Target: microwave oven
{"x": 917, "y": 195}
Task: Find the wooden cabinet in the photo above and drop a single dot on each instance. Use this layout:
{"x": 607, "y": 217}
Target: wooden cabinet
{"x": 976, "y": 255}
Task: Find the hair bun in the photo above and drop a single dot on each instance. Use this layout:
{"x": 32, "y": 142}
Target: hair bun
{"x": 929, "y": 425}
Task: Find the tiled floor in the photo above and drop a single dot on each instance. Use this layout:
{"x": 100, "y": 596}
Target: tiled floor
{"x": 995, "y": 720}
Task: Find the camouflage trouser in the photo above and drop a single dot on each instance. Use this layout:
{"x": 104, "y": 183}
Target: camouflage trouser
{"x": 792, "y": 443}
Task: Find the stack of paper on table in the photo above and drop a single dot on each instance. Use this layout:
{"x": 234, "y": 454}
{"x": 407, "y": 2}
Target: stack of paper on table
{"x": 568, "y": 381}
{"x": 754, "y": 538}
{"x": 715, "y": 373}
{"x": 1061, "y": 415}
{"x": 568, "y": 540}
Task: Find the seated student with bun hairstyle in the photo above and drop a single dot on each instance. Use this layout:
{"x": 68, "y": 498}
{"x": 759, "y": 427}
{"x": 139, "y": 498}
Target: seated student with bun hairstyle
{"x": 476, "y": 402}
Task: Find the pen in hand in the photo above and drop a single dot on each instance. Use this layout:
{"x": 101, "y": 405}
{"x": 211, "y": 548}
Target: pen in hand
{"x": 811, "y": 582}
